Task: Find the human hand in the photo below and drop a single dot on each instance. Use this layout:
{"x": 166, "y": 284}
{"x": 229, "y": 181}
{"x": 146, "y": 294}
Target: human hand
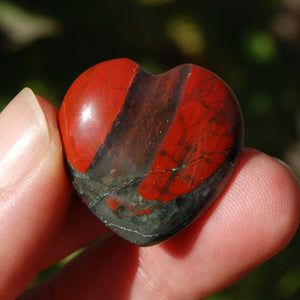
{"x": 42, "y": 221}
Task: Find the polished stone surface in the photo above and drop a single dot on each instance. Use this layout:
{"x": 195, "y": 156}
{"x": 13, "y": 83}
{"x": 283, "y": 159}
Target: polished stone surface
{"x": 149, "y": 153}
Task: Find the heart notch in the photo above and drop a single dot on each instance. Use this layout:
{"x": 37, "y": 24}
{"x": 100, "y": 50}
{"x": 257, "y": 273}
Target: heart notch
{"x": 149, "y": 153}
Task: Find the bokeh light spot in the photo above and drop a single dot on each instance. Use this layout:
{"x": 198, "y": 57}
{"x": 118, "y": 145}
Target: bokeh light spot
{"x": 186, "y": 34}
{"x": 260, "y": 47}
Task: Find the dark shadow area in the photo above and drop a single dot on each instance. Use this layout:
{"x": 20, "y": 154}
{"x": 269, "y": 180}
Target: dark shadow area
{"x": 93, "y": 274}
{"x": 181, "y": 244}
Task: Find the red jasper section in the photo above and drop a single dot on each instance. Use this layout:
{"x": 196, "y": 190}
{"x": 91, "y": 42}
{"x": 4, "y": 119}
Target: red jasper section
{"x": 198, "y": 142}
{"x": 90, "y": 108}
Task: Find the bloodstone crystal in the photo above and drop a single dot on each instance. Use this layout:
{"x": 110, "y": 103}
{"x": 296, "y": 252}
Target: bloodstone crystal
{"x": 149, "y": 153}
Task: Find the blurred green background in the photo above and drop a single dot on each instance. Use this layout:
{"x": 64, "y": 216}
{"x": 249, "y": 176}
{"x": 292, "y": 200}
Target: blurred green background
{"x": 253, "y": 45}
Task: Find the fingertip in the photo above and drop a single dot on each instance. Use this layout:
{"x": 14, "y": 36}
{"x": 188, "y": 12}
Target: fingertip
{"x": 286, "y": 198}
{"x": 276, "y": 182}
{"x": 24, "y": 137}
{"x": 269, "y": 194}
{"x": 34, "y": 188}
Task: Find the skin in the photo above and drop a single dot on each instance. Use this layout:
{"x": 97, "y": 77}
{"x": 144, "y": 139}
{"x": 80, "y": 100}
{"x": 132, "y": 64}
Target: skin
{"x": 42, "y": 221}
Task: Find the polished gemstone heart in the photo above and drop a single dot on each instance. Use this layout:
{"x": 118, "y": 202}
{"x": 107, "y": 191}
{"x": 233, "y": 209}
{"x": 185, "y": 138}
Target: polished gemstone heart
{"x": 149, "y": 153}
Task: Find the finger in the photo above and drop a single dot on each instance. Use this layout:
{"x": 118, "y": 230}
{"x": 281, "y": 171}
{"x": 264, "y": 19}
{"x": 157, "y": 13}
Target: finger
{"x": 255, "y": 217}
{"x": 32, "y": 179}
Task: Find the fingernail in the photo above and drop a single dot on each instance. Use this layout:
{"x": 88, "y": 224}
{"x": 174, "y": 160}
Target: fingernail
{"x": 24, "y": 138}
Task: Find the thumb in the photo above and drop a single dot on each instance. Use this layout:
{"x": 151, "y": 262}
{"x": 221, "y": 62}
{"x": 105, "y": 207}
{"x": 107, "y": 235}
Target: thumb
{"x": 34, "y": 189}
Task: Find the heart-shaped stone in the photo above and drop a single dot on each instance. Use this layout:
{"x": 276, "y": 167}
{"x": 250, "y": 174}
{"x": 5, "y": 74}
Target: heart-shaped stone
{"x": 149, "y": 153}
